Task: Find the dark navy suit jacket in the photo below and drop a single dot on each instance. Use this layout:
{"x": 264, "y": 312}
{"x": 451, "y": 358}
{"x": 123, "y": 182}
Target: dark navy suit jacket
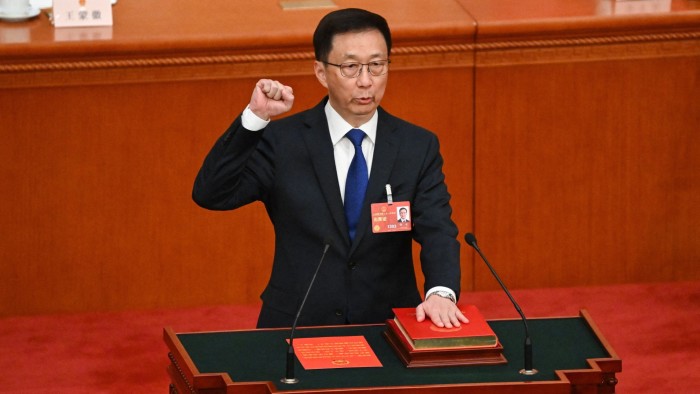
{"x": 290, "y": 167}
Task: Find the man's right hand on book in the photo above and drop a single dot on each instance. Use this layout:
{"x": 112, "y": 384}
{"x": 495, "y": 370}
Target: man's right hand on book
{"x": 441, "y": 311}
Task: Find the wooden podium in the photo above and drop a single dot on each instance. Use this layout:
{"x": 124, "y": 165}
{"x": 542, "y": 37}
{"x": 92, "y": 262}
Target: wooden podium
{"x": 570, "y": 353}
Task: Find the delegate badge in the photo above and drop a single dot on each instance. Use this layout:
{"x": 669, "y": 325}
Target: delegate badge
{"x": 392, "y": 217}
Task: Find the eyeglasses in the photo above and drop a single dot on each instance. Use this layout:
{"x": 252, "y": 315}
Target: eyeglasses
{"x": 354, "y": 69}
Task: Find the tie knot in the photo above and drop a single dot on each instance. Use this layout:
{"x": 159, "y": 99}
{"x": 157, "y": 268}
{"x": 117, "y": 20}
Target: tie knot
{"x": 356, "y": 136}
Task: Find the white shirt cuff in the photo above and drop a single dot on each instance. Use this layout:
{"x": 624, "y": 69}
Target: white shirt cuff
{"x": 440, "y": 288}
{"x": 252, "y": 122}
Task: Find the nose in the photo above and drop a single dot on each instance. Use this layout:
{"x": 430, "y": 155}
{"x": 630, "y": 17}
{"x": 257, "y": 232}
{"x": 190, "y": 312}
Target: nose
{"x": 365, "y": 78}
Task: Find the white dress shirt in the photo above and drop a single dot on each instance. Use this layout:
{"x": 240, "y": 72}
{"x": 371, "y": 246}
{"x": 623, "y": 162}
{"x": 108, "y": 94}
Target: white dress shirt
{"x": 343, "y": 149}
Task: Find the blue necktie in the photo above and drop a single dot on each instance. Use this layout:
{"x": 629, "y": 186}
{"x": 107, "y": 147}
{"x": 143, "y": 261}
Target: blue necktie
{"x": 356, "y": 183}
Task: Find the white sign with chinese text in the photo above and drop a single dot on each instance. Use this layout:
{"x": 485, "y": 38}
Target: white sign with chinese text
{"x": 76, "y": 13}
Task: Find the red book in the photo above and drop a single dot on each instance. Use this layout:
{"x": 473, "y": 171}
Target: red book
{"x": 425, "y": 335}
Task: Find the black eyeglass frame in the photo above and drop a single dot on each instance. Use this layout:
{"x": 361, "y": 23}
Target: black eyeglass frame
{"x": 359, "y": 70}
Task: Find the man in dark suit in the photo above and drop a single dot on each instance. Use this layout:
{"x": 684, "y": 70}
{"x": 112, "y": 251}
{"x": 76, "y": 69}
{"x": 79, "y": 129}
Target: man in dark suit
{"x": 305, "y": 169}
{"x": 403, "y": 215}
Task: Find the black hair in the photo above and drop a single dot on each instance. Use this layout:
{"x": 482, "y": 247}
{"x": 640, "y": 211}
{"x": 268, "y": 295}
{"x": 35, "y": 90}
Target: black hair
{"x": 345, "y": 21}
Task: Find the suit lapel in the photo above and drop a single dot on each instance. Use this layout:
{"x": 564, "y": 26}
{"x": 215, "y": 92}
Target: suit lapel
{"x": 385, "y": 151}
{"x": 318, "y": 142}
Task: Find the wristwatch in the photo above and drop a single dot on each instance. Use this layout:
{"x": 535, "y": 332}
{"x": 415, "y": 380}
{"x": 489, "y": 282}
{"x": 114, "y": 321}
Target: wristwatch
{"x": 443, "y": 294}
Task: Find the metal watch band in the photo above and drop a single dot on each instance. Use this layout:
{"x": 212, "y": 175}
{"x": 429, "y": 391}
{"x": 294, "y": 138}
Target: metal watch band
{"x": 443, "y": 294}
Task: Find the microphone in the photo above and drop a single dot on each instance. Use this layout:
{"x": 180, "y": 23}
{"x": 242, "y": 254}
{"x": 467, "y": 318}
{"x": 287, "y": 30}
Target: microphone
{"x": 289, "y": 376}
{"x": 527, "y": 370}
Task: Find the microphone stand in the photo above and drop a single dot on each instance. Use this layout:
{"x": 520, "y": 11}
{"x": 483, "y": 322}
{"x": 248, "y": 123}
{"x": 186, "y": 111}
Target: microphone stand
{"x": 289, "y": 375}
{"x": 528, "y": 369}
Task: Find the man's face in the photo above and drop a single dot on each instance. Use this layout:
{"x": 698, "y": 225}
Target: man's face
{"x": 402, "y": 212}
{"x": 355, "y": 99}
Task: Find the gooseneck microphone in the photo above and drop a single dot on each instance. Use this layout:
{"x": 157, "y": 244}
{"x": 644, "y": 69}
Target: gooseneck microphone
{"x": 289, "y": 376}
{"x": 528, "y": 369}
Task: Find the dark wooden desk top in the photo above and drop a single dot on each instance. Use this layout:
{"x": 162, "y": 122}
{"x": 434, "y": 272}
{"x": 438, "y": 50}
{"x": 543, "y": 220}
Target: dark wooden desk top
{"x": 251, "y": 357}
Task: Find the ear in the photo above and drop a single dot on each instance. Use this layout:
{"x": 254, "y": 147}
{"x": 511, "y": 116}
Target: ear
{"x": 320, "y": 71}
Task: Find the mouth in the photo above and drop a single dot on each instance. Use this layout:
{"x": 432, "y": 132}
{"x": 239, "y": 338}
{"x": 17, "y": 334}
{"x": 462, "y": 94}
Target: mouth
{"x": 363, "y": 100}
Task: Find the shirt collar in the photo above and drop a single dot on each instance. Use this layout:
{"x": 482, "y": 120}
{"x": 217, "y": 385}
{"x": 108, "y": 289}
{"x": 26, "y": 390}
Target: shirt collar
{"x": 338, "y": 127}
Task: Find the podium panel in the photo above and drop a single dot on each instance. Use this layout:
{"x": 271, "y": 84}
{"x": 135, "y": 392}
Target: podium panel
{"x": 569, "y": 352}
